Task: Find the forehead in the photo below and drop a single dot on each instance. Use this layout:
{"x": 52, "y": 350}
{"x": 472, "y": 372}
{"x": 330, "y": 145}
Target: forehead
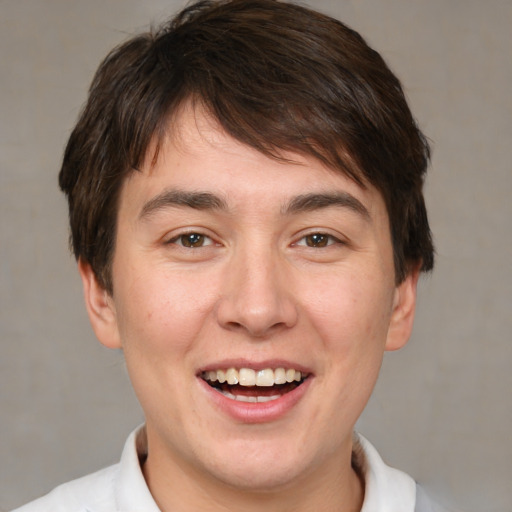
{"x": 196, "y": 154}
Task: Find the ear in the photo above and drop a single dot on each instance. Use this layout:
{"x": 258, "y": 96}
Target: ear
{"x": 402, "y": 317}
{"x": 100, "y": 307}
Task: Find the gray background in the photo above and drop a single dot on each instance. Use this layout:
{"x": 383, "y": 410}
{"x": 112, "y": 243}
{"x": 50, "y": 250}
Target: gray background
{"x": 442, "y": 409}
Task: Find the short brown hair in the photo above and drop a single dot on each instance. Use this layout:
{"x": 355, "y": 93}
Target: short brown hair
{"x": 277, "y": 77}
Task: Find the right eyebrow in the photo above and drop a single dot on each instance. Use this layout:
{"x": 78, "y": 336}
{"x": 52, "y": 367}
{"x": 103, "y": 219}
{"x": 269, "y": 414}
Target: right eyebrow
{"x": 175, "y": 197}
{"x": 317, "y": 201}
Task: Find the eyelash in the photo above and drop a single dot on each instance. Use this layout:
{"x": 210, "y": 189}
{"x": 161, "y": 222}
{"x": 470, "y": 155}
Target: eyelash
{"x": 322, "y": 241}
{"x": 178, "y": 240}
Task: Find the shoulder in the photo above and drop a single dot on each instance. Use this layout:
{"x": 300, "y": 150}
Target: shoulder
{"x": 387, "y": 488}
{"x": 91, "y": 493}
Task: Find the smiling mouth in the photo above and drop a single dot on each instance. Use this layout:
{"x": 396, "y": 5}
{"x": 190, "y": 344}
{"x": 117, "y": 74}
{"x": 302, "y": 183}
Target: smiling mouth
{"x": 254, "y": 386}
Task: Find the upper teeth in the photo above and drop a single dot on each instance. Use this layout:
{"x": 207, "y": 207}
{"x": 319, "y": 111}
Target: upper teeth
{"x": 250, "y": 377}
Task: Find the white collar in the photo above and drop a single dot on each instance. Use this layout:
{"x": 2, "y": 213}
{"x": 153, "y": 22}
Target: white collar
{"x": 386, "y": 489}
{"x": 131, "y": 492}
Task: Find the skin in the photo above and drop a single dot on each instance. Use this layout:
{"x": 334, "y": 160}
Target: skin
{"x": 256, "y": 289}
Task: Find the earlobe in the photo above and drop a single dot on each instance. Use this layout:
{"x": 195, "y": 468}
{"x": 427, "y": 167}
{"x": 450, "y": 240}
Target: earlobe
{"x": 402, "y": 317}
{"x": 100, "y": 307}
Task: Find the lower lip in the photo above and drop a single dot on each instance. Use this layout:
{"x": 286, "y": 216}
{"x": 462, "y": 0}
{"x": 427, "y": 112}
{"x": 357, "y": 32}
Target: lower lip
{"x": 250, "y": 412}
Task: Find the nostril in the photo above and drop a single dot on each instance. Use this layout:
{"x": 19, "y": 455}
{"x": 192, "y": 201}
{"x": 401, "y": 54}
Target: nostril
{"x": 254, "y": 330}
{"x": 256, "y": 301}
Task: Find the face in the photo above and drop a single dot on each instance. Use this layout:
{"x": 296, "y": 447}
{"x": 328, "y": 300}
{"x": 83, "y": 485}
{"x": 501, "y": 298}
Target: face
{"x": 253, "y": 300}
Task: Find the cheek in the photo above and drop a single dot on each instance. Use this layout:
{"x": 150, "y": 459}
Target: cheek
{"x": 349, "y": 311}
{"x": 160, "y": 320}
{"x": 350, "y": 315}
{"x": 160, "y": 312}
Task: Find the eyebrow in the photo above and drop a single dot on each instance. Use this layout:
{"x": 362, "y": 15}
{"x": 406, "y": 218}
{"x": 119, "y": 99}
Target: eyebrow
{"x": 317, "y": 201}
{"x": 208, "y": 201}
{"x": 175, "y": 197}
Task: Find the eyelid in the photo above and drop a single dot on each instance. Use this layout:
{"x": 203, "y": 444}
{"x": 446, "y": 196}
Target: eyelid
{"x": 333, "y": 239}
{"x": 174, "y": 239}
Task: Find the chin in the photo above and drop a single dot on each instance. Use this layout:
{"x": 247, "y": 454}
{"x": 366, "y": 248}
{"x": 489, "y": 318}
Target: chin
{"x": 258, "y": 478}
{"x": 261, "y": 469}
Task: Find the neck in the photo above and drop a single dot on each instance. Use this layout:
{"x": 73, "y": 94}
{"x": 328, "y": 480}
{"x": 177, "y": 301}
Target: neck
{"x": 333, "y": 487}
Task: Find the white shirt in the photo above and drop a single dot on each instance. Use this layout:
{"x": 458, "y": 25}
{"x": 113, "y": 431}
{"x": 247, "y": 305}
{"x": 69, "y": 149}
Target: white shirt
{"x": 122, "y": 488}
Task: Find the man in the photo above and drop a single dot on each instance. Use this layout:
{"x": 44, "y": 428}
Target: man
{"x": 246, "y": 209}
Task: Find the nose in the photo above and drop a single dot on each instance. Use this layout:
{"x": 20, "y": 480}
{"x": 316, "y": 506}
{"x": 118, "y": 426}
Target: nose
{"x": 256, "y": 298}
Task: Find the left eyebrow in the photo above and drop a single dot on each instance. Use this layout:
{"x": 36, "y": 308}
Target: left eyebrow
{"x": 181, "y": 198}
{"x": 311, "y": 202}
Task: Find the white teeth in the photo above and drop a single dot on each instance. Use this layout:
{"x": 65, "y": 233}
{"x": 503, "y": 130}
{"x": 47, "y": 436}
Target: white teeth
{"x": 249, "y": 377}
{"x": 232, "y": 376}
{"x": 265, "y": 378}
{"x": 268, "y": 398}
{"x": 242, "y": 398}
{"x": 229, "y": 395}
{"x": 280, "y": 376}
{"x": 250, "y": 399}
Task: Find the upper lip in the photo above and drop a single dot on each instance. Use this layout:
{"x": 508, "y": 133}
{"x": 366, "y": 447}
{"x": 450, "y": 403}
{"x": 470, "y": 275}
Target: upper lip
{"x": 255, "y": 365}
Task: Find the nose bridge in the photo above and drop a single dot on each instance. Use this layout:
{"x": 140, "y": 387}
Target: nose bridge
{"x": 254, "y": 296}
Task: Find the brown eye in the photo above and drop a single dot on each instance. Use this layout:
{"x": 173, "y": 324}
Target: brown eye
{"x": 318, "y": 240}
{"x": 192, "y": 240}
